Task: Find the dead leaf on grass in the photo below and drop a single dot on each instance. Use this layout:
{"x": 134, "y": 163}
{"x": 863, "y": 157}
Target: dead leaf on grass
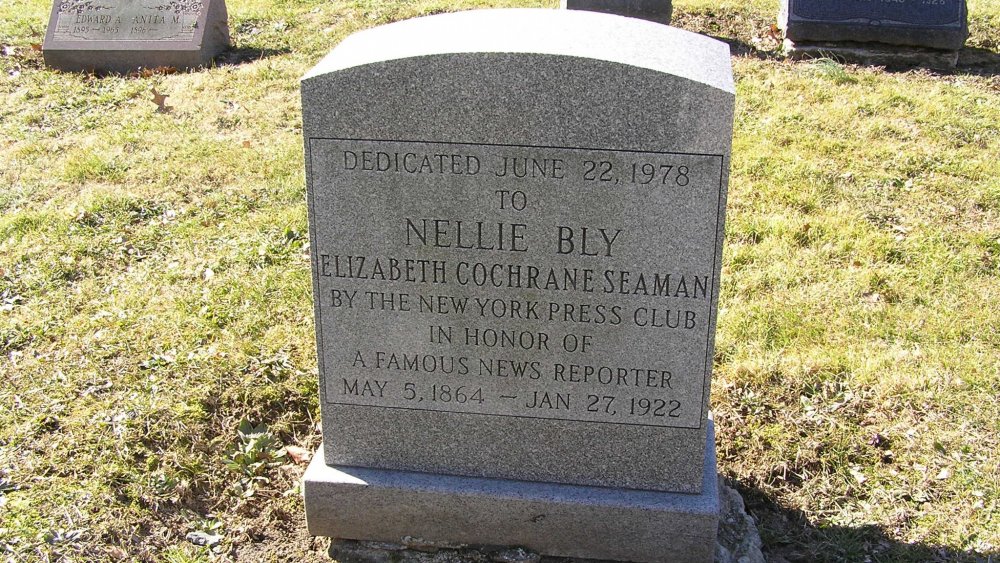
{"x": 774, "y": 32}
{"x": 298, "y": 455}
{"x": 149, "y": 72}
{"x": 161, "y": 101}
{"x": 36, "y": 47}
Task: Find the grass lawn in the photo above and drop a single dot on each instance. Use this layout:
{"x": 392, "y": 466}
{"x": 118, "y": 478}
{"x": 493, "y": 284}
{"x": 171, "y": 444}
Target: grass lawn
{"x": 157, "y": 365}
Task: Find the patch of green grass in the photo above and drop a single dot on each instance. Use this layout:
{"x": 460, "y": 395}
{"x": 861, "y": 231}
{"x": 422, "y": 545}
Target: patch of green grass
{"x": 155, "y": 292}
{"x": 858, "y": 264}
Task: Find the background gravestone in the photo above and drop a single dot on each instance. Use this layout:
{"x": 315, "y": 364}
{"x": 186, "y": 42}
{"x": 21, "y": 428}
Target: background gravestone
{"x": 124, "y": 35}
{"x": 653, "y": 10}
{"x": 939, "y": 24}
{"x": 900, "y": 33}
{"x": 516, "y": 220}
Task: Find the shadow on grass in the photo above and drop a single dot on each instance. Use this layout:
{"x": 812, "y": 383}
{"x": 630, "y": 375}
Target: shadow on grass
{"x": 232, "y": 57}
{"x": 746, "y": 33}
{"x": 788, "y": 535}
{"x": 975, "y": 60}
{"x": 971, "y": 60}
{"x": 752, "y": 36}
{"x": 740, "y": 48}
{"x": 242, "y": 55}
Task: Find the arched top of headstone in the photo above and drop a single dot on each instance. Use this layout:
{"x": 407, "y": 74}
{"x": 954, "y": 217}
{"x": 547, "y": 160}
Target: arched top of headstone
{"x": 569, "y": 33}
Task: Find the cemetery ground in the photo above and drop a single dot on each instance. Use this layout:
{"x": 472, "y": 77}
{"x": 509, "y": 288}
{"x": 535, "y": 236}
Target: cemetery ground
{"x": 158, "y": 386}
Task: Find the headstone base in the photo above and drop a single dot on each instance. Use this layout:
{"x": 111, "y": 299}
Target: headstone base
{"x": 738, "y": 542}
{"x": 875, "y": 54}
{"x": 441, "y": 511}
{"x": 123, "y": 62}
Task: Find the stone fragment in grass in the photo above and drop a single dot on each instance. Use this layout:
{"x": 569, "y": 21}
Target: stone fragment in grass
{"x": 203, "y": 538}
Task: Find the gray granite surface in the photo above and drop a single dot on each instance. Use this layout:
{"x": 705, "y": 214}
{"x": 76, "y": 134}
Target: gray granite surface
{"x": 938, "y": 24}
{"x": 125, "y": 35}
{"x": 516, "y": 220}
{"x": 429, "y": 512}
{"x": 738, "y": 542}
{"x": 653, "y": 10}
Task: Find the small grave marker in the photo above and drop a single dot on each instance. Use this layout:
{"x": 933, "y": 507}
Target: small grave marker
{"x": 125, "y": 35}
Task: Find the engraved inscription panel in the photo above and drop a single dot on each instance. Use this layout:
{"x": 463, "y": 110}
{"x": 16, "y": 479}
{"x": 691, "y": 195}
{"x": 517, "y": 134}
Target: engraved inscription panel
{"x": 936, "y": 13}
{"x": 516, "y": 281}
{"x": 125, "y": 20}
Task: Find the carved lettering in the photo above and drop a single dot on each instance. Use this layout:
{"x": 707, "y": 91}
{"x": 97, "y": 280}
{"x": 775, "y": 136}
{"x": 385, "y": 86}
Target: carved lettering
{"x": 550, "y": 283}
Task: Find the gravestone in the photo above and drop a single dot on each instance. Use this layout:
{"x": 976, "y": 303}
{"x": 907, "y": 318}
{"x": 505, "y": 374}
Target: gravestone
{"x": 937, "y": 24}
{"x": 125, "y": 35}
{"x": 516, "y": 220}
{"x": 653, "y": 10}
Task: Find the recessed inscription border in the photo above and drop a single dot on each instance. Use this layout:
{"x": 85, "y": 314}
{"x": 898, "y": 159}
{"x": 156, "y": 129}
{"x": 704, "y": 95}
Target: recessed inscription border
{"x": 711, "y": 297}
{"x": 96, "y": 22}
{"x": 937, "y": 14}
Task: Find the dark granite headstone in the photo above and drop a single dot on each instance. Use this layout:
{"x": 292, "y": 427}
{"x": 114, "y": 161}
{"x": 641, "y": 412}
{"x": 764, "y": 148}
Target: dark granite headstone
{"x": 124, "y": 35}
{"x": 938, "y": 24}
{"x": 658, "y": 11}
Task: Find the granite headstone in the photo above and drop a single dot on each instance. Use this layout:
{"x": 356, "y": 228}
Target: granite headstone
{"x": 516, "y": 222}
{"x": 938, "y": 24}
{"x": 653, "y": 10}
{"x": 125, "y": 35}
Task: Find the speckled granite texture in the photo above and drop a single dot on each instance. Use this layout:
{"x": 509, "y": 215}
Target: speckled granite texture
{"x": 562, "y": 85}
{"x": 559, "y": 520}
